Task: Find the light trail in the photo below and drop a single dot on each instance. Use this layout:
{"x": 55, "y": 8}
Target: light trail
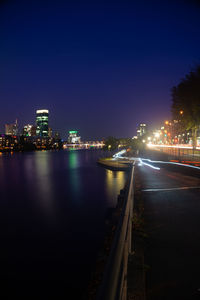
{"x": 169, "y": 162}
{"x": 119, "y": 154}
{"x": 182, "y": 146}
{"x": 172, "y": 189}
{"x": 148, "y": 165}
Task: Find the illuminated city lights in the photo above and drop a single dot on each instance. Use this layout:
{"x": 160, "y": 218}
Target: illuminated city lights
{"x": 42, "y": 111}
{"x": 73, "y": 137}
{"x": 42, "y": 122}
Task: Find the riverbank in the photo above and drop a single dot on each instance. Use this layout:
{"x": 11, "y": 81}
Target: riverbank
{"x": 114, "y": 165}
{"x": 111, "y": 222}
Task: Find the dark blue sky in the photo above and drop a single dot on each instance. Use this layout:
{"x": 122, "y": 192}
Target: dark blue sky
{"x": 99, "y": 67}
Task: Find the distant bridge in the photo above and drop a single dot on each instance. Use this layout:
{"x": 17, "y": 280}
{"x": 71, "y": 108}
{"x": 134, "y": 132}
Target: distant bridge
{"x": 86, "y": 145}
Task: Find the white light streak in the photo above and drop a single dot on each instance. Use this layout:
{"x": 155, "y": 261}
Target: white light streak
{"x": 171, "y": 146}
{"x": 171, "y": 163}
{"x": 119, "y": 154}
{"x": 148, "y": 165}
{"x": 172, "y": 189}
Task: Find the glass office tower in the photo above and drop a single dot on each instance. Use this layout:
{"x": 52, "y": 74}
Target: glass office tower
{"x": 42, "y": 122}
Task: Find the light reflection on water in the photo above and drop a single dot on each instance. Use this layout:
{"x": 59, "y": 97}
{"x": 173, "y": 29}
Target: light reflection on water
{"x": 54, "y": 205}
{"x": 73, "y": 159}
{"x": 74, "y": 173}
{"x": 115, "y": 181}
{"x": 43, "y": 181}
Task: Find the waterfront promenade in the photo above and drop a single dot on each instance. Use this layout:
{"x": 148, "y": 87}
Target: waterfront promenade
{"x": 170, "y": 199}
{"x": 171, "y": 204}
{"x": 164, "y": 256}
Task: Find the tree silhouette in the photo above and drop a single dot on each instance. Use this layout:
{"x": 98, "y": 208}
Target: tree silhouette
{"x": 186, "y": 102}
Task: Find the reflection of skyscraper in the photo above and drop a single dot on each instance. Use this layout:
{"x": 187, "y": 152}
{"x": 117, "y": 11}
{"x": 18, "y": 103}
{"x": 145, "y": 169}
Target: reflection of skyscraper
{"x": 42, "y": 122}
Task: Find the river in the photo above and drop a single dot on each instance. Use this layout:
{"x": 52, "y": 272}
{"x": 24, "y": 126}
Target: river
{"x": 52, "y": 210}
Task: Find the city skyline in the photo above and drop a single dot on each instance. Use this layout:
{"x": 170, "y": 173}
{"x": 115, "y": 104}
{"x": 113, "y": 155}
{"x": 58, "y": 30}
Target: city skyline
{"x": 100, "y": 68}
{"x": 40, "y": 127}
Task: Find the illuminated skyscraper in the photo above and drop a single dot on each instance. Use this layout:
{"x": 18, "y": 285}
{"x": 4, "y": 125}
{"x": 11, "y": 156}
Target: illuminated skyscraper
{"x": 73, "y": 137}
{"x": 42, "y": 122}
{"x": 27, "y": 130}
{"x": 141, "y": 129}
{"x": 50, "y": 132}
{"x": 11, "y": 129}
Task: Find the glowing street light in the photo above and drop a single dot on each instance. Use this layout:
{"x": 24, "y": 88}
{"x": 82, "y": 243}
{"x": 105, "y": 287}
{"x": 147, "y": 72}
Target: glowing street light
{"x": 181, "y": 112}
{"x": 157, "y": 134}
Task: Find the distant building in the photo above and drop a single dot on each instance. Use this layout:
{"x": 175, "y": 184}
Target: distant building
{"x": 57, "y": 136}
{"x": 73, "y": 137}
{"x": 141, "y": 129}
{"x": 33, "y": 130}
{"x": 27, "y": 130}
{"x": 50, "y": 132}
{"x": 11, "y": 129}
{"x": 42, "y": 122}
{"x": 43, "y": 142}
{"x": 8, "y": 142}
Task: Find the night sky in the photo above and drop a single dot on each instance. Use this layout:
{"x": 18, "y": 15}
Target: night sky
{"x": 99, "y": 67}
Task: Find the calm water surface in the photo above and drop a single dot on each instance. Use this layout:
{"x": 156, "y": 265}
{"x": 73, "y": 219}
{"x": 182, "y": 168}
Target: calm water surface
{"x": 52, "y": 211}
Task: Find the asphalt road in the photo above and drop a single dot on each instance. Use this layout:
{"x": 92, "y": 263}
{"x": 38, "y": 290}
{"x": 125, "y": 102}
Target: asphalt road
{"x": 171, "y": 199}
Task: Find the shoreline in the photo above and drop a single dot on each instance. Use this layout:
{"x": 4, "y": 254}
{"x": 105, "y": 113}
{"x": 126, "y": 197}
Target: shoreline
{"x": 114, "y": 165}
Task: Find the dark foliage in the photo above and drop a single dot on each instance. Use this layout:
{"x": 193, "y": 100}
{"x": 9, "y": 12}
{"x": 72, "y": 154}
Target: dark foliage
{"x": 186, "y": 101}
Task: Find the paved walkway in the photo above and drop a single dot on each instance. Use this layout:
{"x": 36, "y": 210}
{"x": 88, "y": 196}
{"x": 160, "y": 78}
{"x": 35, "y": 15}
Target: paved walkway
{"x": 171, "y": 199}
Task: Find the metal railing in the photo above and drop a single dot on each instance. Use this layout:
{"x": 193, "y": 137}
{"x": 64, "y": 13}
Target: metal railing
{"x": 182, "y": 153}
{"x": 114, "y": 283}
